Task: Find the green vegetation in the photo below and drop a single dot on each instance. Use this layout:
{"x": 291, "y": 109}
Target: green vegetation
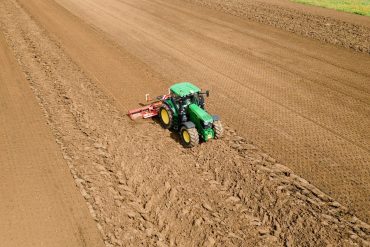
{"x": 360, "y": 7}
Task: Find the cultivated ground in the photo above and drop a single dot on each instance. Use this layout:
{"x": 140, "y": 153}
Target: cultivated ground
{"x": 40, "y": 205}
{"x": 303, "y": 102}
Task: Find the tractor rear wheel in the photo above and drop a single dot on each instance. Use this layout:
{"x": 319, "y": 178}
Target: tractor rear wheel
{"x": 166, "y": 117}
{"x": 218, "y": 129}
{"x": 189, "y": 137}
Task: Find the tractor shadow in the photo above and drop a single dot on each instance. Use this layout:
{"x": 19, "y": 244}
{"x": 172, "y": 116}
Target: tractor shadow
{"x": 173, "y": 133}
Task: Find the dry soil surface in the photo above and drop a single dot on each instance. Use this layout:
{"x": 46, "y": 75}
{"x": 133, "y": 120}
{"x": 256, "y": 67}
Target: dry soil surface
{"x": 304, "y": 102}
{"x": 330, "y": 26}
{"x": 39, "y": 205}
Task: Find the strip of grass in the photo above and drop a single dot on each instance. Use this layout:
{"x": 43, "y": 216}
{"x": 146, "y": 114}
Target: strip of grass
{"x": 360, "y": 7}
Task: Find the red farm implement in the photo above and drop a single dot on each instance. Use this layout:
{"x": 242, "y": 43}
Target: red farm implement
{"x": 148, "y": 111}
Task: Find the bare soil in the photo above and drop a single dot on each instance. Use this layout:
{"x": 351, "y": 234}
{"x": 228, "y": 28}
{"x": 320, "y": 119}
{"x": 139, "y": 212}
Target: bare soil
{"x": 141, "y": 186}
{"x": 328, "y": 26}
{"x": 303, "y": 102}
{"x": 40, "y": 204}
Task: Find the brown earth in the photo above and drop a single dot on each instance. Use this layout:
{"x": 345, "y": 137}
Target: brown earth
{"x": 305, "y": 103}
{"x": 329, "y": 26}
{"x": 39, "y": 205}
{"x": 277, "y": 89}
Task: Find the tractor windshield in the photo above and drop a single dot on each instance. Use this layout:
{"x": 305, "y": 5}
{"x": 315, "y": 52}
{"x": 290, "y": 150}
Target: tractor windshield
{"x": 195, "y": 99}
{"x": 190, "y": 99}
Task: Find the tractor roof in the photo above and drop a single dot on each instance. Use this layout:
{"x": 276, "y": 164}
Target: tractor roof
{"x": 183, "y": 89}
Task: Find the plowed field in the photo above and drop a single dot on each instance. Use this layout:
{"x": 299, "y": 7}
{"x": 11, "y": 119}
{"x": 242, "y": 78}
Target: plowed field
{"x": 293, "y": 168}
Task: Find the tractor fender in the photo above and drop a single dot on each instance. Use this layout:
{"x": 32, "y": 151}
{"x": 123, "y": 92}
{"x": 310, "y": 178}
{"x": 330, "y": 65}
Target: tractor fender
{"x": 188, "y": 124}
{"x": 215, "y": 118}
{"x": 171, "y": 106}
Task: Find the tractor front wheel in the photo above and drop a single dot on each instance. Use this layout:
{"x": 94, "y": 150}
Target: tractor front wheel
{"x": 218, "y": 129}
{"x": 189, "y": 137}
{"x": 166, "y": 117}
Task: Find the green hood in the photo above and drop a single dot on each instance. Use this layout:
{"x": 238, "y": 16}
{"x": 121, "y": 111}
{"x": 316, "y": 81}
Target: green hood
{"x": 200, "y": 113}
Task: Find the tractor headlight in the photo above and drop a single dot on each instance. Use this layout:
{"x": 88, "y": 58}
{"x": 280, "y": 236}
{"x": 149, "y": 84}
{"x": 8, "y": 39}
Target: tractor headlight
{"x": 207, "y": 125}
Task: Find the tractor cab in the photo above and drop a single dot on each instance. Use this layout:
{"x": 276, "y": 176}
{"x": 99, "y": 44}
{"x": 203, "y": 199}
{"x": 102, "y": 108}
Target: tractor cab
{"x": 184, "y": 110}
{"x": 183, "y": 96}
{"x": 186, "y": 93}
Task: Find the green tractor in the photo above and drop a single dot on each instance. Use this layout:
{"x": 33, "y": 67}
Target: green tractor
{"x": 183, "y": 110}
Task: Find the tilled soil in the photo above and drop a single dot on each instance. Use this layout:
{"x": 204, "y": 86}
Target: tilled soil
{"x": 303, "y": 102}
{"x": 40, "y": 204}
{"x": 300, "y": 20}
{"x": 143, "y": 188}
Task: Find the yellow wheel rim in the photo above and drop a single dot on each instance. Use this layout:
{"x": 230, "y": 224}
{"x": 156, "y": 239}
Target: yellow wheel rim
{"x": 165, "y": 117}
{"x": 186, "y": 136}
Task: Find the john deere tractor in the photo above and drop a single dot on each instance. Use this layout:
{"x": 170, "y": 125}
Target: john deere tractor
{"x": 184, "y": 111}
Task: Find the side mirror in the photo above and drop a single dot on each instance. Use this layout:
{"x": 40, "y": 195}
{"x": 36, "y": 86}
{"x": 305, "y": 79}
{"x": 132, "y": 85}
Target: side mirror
{"x": 207, "y": 93}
